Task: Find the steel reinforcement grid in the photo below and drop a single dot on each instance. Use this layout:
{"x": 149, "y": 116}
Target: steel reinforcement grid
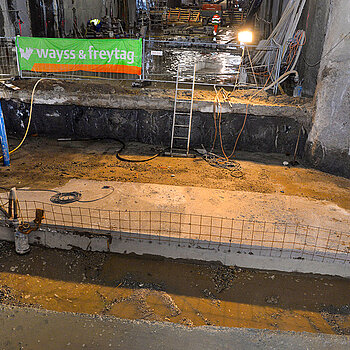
{"x": 271, "y": 239}
{"x": 8, "y": 59}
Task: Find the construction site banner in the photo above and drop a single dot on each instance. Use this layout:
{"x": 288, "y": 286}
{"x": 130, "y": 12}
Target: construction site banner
{"x": 91, "y": 55}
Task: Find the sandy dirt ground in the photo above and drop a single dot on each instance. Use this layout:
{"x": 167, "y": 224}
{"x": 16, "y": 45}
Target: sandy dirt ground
{"x": 47, "y": 163}
{"x": 172, "y": 291}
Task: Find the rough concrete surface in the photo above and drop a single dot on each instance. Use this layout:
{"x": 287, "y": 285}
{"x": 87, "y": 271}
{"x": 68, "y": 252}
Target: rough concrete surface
{"x": 239, "y": 205}
{"x": 135, "y": 118}
{"x": 76, "y": 331}
{"x": 116, "y": 94}
{"x": 314, "y": 21}
{"x": 329, "y": 141}
{"x": 185, "y": 292}
{"x": 245, "y": 205}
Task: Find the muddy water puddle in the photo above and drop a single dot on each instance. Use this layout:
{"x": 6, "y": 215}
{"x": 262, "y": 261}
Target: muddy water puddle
{"x": 180, "y": 292}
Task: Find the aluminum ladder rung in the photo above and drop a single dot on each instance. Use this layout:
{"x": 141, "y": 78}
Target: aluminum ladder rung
{"x": 180, "y": 138}
{"x": 180, "y": 126}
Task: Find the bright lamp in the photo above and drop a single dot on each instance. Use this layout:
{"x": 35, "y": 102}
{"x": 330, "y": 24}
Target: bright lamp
{"x": 245, "y": 37}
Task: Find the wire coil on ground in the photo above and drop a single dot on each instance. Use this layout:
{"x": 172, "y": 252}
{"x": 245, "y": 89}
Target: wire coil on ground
{"x": 219, "y": 162}
{"x": 65, "y": 197}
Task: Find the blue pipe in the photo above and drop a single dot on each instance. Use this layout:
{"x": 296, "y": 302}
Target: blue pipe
{"x": 3, "y": 140}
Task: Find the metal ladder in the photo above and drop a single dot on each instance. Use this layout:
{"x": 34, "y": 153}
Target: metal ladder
{"x": 182, "y": 121}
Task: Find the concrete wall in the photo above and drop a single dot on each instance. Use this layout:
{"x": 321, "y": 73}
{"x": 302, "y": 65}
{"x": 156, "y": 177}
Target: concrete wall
{"x": 314, "y": 21}
{"x": 83, "y": 10}
{"x": 328, "y": 146}
{"x": 261, "y": 133}
{"x": 7, "y": 27}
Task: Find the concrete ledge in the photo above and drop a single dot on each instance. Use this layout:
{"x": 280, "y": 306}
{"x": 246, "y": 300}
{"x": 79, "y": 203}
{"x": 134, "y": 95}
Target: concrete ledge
{"x": 71, "y": 93}
{"x": 111, "y": 242}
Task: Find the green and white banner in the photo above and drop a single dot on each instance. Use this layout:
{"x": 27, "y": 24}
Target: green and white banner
{"x": 91, "y": 55}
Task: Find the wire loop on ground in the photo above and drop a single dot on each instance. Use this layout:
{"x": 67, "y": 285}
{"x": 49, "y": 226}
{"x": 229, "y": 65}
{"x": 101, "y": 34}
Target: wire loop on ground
{"x": 219, "y": 162}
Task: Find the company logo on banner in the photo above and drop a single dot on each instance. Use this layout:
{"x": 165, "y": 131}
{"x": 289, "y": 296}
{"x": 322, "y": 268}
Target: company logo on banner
{"x": 91, "y": 55}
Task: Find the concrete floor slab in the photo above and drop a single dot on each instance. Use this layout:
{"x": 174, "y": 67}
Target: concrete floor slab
{"x": 130, "y": 196}
{"x": 24, "y": 328}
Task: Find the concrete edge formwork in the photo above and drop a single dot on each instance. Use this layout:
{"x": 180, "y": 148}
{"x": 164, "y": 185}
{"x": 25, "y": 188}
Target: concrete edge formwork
{"x": 114, "y": 242}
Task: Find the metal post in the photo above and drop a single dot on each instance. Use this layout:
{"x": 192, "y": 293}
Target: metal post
{"x": 239, "y": 67}
{"x": 143, "y": 59}
{"x": 3, "y": 140}
{"x": 10, "y": 211}
{"x": 13, "y": 207}
{"x": 21, "y": 239}
{"x": 17, "y": 58}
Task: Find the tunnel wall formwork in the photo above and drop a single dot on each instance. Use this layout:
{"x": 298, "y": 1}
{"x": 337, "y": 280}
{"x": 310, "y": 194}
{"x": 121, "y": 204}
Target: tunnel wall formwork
{"x": 328, "y": 145}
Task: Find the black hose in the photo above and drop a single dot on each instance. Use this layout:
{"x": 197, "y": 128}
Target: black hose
{"x": 135, "y": 160}
{"x": 66, "y": 197}
{"x": 118, "y": 155}
{"x": 71, "y": 197}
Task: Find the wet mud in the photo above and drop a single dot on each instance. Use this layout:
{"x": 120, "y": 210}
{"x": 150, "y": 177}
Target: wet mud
{"x": 182, "y": 292}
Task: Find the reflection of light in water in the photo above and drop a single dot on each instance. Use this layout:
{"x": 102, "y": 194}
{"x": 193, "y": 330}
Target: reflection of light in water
{"x": 208, "y": 64}
{"x": 212, "y": 65}
{"x": 226, "y": 36}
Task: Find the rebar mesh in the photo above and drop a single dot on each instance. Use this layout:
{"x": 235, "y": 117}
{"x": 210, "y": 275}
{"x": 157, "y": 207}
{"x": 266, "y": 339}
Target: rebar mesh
{"x": 261, "y": 238}
{"x": 8, "y": 59}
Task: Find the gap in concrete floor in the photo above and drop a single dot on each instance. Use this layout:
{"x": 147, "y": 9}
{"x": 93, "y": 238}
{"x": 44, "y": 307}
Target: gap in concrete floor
{"x": 155, "y": 289}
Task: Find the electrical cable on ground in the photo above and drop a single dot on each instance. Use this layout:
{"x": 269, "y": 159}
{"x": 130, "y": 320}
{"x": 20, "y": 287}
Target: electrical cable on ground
{"x": 122, "y": 158}
{"x": 225, "y": 162}
{"x": 219, "y": 162}
{"x": 282, "y": 77}
{"x": 118, "y": 155}
{"x": 30, "y": 116}
{"x": 65, "y": 197}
